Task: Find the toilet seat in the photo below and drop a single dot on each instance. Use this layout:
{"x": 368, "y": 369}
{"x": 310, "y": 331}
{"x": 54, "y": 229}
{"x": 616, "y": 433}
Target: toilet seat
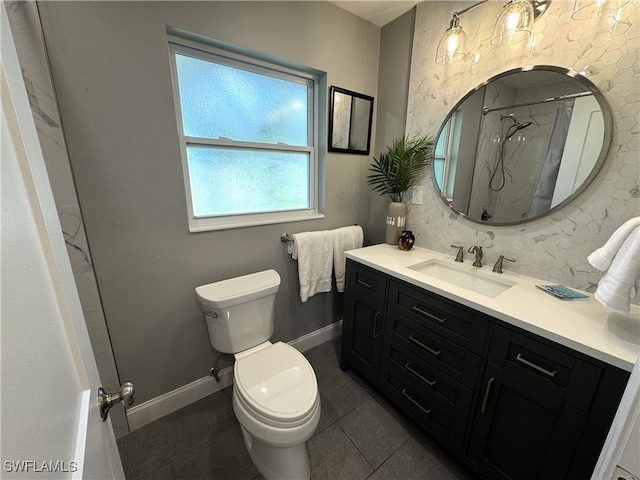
{"x": 278, "y": 385}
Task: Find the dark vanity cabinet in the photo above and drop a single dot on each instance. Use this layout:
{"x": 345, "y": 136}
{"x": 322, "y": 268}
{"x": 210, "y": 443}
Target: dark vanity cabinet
{"x": 365, "y": 298}
{"x": 506, "y": 402}
{"x": 543, "y": 410}
{"x": 431, "y": 359}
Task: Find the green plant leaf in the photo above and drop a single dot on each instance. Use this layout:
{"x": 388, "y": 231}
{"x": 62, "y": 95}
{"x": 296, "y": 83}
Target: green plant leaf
{"x": 400, "y": 167}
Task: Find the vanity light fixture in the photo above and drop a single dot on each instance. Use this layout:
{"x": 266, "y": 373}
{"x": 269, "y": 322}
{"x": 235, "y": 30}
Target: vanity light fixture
{"x": 513, "y": 26}
{"x": 585, "y": 9}
{"x": 452, "y": 47}
{"x": 514, "y": 23}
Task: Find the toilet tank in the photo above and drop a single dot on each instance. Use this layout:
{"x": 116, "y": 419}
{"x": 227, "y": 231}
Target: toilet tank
{"x": 239, "y": 311}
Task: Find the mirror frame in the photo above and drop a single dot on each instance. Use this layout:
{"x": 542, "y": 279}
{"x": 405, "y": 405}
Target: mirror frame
{"x": 354, "y": 95}
{"x": 606, "y": 141}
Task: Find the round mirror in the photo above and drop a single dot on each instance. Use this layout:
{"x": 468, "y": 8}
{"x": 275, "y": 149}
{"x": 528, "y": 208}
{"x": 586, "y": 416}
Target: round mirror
{"x": 521, "y": 145}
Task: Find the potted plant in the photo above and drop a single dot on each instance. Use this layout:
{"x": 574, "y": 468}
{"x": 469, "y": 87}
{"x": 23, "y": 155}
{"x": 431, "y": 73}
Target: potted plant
{"x": 396, "y": 171}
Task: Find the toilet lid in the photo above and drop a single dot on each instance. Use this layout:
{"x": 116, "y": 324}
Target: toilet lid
{"x": 277, "y": 382}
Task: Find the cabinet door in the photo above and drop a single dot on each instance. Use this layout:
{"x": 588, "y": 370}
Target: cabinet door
{"x": 363, "y": 320}
{"x": 521, "y": 432}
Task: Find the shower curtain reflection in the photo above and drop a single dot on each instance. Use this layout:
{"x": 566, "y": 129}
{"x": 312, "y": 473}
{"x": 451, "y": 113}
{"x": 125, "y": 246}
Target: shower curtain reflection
{"x": 545, "y": 186}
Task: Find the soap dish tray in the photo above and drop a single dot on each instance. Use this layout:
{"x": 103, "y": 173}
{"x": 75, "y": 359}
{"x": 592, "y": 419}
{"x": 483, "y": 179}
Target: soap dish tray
{"x": 562, "y": 292}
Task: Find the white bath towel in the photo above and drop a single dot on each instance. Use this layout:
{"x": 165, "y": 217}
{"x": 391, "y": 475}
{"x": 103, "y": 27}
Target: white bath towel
{"x": 314, "y": 253}
{"x": 344, "y": 238}
{"x": 616, "y": 288}
{"x": 602, "y": 257}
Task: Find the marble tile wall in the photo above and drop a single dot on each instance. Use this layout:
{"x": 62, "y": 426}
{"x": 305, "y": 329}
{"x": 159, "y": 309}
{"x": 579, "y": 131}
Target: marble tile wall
{"x": 554, "y": 248}
{"x": 27, "y": 33}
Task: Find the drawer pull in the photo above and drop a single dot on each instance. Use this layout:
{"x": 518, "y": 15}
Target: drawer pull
{"x": 375, "y": 325}
{"x": 416, "y": 308}
{"x": 406, "y": 395}
{"x": 431, "y": 383}
{"x": 364, "y": 284}
{"x": 486, "y": 395}
{"x": 536, "y": 367}
{"x": 422, "y": 345}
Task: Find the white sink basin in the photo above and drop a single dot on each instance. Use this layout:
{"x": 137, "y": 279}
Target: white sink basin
{"x": 468, "y": 277}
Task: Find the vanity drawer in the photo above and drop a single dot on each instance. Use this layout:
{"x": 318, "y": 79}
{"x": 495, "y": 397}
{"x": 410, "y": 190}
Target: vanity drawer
{"x": 400, "y": 362}
{"x": 551, "y": 369}
{"x": 442, "y": 419}
{"x": 430, "y": 348}
{"x": 366, "y": 282}
{"x": 456, "y": 324}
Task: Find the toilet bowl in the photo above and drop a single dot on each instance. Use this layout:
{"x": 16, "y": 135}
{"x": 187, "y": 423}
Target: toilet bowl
{"x": 276, "y": 401}
{"x": 275, "y": 391}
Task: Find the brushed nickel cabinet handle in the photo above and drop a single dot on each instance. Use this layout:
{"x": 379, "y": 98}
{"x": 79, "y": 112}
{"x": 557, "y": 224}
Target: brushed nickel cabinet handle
{"x": 486, "y": 395}
{"x": 423, "y": 346}
{"x": 375, "y": 325}
{"x": 548, "y": 373}
{"x": 364, "y": 284}
{"x": 416, "y": 308}
{"x": 431, "y": 383}
{"x": 408, "y": 397}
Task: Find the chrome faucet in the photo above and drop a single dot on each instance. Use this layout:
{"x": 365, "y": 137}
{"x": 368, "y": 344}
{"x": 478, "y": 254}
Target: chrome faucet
{"x": 478, "y": 251}
{"x": 460, "y": 254}
{"x": 498, "y": 266}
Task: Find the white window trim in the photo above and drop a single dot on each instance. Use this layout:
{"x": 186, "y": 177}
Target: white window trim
{"x": 236, "y": 57}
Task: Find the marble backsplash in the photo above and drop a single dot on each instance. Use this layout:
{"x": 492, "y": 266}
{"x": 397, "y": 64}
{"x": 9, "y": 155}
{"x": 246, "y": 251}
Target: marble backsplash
{"x": 553, "y": 248}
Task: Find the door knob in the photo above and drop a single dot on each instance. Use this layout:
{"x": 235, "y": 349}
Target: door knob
{"x": 126, "y": 395}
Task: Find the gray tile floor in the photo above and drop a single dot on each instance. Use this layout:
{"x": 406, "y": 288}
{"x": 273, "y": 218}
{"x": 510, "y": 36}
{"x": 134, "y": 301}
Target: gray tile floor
{"x": 360, "y": 436}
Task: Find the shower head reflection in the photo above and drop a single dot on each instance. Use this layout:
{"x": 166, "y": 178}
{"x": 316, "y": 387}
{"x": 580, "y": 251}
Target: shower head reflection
{"x": 518, "y": 125}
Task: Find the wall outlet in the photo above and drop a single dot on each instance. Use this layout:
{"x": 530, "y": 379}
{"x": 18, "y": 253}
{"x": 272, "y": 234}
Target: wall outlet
{"x": 416, "y": 197}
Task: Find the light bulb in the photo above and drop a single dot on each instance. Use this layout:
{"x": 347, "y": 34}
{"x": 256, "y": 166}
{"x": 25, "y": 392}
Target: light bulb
{"x": 452, "y": 47}
{"x": 514, "y": 23}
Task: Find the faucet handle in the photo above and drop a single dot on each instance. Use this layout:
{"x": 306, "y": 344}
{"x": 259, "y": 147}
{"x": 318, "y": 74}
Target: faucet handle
{"x": 498, "y": 266}
{"x": 460, "y": 254}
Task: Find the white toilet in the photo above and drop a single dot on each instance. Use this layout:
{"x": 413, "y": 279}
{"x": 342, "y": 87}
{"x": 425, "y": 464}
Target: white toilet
{"x": 275, "y": 392}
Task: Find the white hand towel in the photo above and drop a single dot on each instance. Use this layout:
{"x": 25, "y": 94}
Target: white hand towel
{"x": 314, "y": 252}
{"x": 601, "y": 259}
{"x": 344, "y": 238}
{"x": 615, "y": 289}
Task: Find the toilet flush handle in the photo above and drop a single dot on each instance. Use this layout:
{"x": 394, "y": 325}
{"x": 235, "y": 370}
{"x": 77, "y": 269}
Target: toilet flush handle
{"x": 210, "y": 314}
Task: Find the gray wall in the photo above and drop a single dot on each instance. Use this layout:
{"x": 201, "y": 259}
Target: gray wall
{"x": 393, "y": 87}
{"x": 110, "y": 67}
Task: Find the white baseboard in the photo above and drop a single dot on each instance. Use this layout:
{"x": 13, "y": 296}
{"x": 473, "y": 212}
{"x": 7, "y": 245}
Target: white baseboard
{"x": 317, "y": 337}
{"x": 140, "y": 415}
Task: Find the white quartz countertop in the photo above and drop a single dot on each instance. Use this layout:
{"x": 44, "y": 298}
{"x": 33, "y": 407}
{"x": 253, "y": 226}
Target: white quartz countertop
{"x": 583, "y": 325}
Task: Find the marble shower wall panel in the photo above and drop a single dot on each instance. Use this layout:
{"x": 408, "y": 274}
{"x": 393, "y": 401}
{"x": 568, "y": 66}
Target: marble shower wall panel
{"x": 554, "y": 248}
{"x": 27, "y": 32}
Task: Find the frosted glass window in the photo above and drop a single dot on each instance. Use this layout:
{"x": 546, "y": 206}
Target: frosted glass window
{"x": 265, "y": 109}
{"x": 231, "y": 181}
{"x": 247, "y": 128}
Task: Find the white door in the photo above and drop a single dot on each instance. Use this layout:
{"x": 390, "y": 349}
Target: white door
{"x": 51, "y": 425}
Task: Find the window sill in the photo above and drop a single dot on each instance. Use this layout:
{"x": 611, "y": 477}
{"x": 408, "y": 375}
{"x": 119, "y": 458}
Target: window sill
{"x": 225, "y": 223}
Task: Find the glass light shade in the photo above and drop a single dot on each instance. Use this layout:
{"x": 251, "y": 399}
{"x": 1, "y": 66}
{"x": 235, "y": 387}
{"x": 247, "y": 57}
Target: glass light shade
{"x": 452, "y": 47}
{"x": 585, "y": 9}
{"x": 514, "y": 23}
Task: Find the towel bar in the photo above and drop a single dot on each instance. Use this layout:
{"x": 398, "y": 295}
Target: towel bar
{"x": 287, "y": 237}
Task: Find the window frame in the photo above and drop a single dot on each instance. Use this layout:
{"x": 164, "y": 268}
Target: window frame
{"x": 451, "y": 129}
{"x": 236, "y": 57}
